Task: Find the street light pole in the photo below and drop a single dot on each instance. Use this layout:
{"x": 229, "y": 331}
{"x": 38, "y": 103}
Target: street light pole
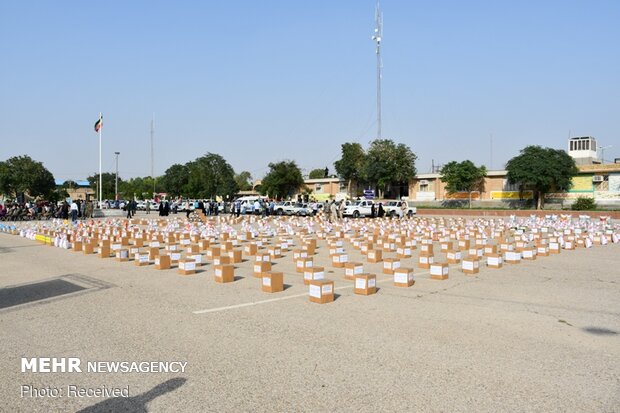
{"x": 602, "y": 148}
{"x": 116, "y": 180}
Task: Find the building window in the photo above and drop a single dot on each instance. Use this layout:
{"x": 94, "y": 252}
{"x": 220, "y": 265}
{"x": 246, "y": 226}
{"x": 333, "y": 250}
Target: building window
{"x": 343, "y": 187}
{"x": 318, "y": 188}
{"x": 423, "y": 187}
{"x": 510, "y": 187}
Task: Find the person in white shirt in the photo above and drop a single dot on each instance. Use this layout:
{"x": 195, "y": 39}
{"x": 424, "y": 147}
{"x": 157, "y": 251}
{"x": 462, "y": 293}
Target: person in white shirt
{"x": 74, "y": 211}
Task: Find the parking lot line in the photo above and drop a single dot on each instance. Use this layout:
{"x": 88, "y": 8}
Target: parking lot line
{"x": 272, "y": 300}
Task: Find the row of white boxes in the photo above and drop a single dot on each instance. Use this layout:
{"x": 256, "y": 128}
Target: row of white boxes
{"x": 393, "y": 242}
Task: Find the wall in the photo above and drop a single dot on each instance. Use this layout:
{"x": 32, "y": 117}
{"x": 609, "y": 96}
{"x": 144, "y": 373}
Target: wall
{"x": 519, "y": 213}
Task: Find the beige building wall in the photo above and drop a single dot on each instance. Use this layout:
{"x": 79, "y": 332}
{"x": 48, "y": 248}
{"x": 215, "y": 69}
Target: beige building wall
{"x": 326, "y": 188}
{"x": 599, "y": 181}
{"x": 81, "y": 193}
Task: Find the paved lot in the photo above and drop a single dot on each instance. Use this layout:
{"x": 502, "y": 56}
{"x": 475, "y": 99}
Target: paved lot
{"x": 541, "y": 336}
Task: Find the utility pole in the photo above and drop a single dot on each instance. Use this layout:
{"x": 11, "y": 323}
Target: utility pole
{"x": 491, "y": 147}
{"x": 116, "y": 180}
{"x": 377, "y": 37}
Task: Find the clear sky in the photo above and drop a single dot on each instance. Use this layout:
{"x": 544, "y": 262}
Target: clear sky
{"x": 262, "y": 81}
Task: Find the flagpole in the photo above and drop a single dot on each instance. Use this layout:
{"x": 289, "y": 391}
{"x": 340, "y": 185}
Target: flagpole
{"x": 100, "y": 178}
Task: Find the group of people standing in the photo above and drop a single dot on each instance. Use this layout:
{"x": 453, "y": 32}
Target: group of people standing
{"x": 262, "y": 207}
{"x": 77, "y": 209}
{"x": 207, "y": 207}
{"x": 376, "y": 210}
{"x": 164, "y": 208}
{"x": 333, "y": 209}
{"x": 131, "y": 207}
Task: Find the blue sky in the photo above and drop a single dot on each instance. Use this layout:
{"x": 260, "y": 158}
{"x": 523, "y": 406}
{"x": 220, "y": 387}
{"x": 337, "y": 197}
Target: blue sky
{"x": 262, "y": 81}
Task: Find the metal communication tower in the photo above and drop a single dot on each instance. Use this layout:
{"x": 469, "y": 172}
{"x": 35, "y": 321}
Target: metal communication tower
{"x": 377, "y": 37}
{"x": 153, "y": 153}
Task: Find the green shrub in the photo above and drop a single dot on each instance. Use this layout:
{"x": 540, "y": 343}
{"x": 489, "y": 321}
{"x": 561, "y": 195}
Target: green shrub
{"x": 584, "y": 204}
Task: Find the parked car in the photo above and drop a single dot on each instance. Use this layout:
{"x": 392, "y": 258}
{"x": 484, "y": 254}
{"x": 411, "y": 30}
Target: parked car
{"x": 186, "y": 203}
{"x": 247, "y": 204}
{"x": 411, "y": 209}
{"x": 302, "y": 210}
{"x": 358, "y": 209}
{"x": 285, "y": 208}
{"x": 391, "y": 207}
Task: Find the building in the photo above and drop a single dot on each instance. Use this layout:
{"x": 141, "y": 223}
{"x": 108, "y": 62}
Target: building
{"x": 598, "y": 181}
{"x": 322, "y": 189}
{"x": 583, "y": 150}
{"x": 429, "y": 188}
{"x": 82, "y": 190}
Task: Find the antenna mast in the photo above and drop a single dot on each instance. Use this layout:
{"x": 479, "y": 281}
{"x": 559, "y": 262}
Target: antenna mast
{"x": 491, "y": 148}
{"x": 152, "y": 152}
{"x": 377, "y": 37}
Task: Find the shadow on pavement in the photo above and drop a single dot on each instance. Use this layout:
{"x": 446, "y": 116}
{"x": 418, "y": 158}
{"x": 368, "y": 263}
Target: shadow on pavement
{"x": 600, "y": 331}
{"x": 137, "y": 403}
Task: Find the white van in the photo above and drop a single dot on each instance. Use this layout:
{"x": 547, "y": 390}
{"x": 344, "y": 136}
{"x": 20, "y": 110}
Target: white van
{"x": 247, "y": 203}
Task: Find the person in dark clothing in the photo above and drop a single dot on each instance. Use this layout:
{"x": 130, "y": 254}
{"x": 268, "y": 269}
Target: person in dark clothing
{"x": 188, "y": 211}
{"x": 373, "y": 210}
{"x": 167, "y": 209}
{"x": 161, "y": 208}
{"x": 64, "y": 214}
{"x": 380, "y": 211}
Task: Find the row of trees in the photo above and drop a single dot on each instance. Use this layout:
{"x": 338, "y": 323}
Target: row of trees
{"x": 385, "y": 166}
{"x": 205, "y": 177}
{"x": 538, "y": 169}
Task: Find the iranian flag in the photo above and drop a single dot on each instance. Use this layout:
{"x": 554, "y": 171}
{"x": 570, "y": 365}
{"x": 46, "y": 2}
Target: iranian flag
{"x": 99, "y": 124}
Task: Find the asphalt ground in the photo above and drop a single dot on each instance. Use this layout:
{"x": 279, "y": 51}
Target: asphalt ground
{"x": 539, "y": 336}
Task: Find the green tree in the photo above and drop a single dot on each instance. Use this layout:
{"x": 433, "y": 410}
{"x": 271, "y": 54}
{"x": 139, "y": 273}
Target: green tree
{"x": 351, "y": 164}
{"x": 61, "y": 192}
{"x": 283, "y": 180}
{"x": 22, "y": 174}
{"x": 541, "y": 170}
{"x": 58, "y": 194}
{"x": 389, "y": 164}
{"x": 175, "y": 179}
{"x": 318, "y": 173}
{"x": 69, "y": 184}
{"x": 463, "y": 177}
{"x": 211, "y": 176}
{"x": 243, "y": 180}
{"x": 108, "y": 180}
{"x": 141, "y": 188}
